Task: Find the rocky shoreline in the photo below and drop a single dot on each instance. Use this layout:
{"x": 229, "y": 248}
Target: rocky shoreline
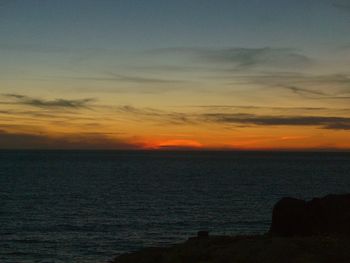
{"x": 316, "y": 231}
{"x": 247, "y": 249}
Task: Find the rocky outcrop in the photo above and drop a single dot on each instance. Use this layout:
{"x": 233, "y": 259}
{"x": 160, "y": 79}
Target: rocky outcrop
{"x": 247, "y": 249}
{"x": 302, "y": 231}
{"x": 321, "y": 216}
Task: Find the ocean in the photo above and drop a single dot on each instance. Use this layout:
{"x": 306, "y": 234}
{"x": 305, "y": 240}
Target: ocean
{"x": 89, "y": 206}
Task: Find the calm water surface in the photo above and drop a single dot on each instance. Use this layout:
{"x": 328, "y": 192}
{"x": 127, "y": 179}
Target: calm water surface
{"x": 75, "y": 206}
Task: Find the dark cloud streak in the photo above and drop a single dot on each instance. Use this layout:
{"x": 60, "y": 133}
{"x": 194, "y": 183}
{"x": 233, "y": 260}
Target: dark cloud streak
{"x": 134, "y": 79}
{"x": 332, "y": 86}
{"x": 157, "y": 115}
{"x": 325, "y": 122}
{"x": 252, "y": 107}
{"x": 41, "y": 103}
{"x": 11, "y": 140}
{"x": 245, "y": 119}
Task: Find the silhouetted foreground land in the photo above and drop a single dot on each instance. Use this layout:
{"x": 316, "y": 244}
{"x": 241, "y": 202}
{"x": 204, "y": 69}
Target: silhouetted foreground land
{"x": 316, "y": 231}
{"x": 247, "y": 249}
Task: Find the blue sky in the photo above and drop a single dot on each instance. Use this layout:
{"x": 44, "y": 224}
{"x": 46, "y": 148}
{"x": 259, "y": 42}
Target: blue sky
{"x": 306, "y": 24}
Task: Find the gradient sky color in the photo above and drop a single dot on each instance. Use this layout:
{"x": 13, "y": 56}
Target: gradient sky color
{"x": 198, "y": 74}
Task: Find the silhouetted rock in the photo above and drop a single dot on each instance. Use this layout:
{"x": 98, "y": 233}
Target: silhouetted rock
{"x": 320, "y": 216}
{"x": 202, "y": 234}
{"x": 247, "y": 249}
{"x": 313, "y": 231}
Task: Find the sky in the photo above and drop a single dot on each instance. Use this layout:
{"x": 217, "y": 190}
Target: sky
{"x": 185, "y": 74}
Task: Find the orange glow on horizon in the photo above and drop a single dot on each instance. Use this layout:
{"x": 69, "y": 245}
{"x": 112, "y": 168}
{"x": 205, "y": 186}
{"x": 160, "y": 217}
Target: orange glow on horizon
{"x": 172, "y": 144}
{"x": 155, "y": 134}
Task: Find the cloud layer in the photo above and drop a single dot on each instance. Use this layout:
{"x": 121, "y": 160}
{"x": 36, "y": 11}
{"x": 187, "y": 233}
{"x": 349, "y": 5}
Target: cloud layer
{"x": 20, "y": 140}
{"x": 41, "y": 103}
{"x": 324, "y": 122}
{"x": 240, "y": 118}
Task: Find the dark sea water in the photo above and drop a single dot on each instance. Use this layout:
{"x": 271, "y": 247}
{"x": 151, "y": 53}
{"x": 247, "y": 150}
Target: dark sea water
{"x": 61, "y": 206}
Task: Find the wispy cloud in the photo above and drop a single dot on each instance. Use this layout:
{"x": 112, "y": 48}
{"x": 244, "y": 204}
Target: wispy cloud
{"x": 157, "y": 115}
{"x": 341, "y": 4}
{"x": 331, "y": 86}
{"x": 42, "y": 103}
{"x": 242, "y": 58}
{"x": 128, "y": 78}
{"x": 239, "y": 119}
{"x": 253, "y": 107}
{"x": 325, "y": 122}
{"x": 142, "y": 83}
{"x": 303, "y": 91}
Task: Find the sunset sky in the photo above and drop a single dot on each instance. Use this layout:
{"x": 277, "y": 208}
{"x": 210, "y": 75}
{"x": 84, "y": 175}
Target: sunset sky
{"x": 184, "y": 74}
